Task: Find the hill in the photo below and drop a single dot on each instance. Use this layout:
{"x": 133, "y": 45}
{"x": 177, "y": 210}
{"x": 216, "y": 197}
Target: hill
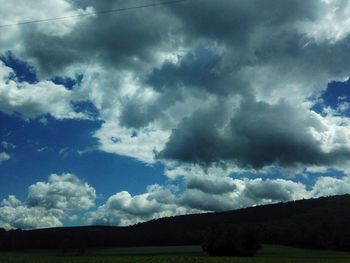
{"x": 321, "y": 223}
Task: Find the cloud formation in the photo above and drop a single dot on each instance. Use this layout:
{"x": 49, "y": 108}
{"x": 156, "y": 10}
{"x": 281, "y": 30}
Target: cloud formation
{"x": 216, "y": 84}
{"x": 212, "y": 83}
{"x": 64, "y": 192}
{"x": 258, "y": 135}
{"x": 4, "y": 157}
{"x": 59, "y": 200}
{"x": 123, "y": 209}
{"x": 209, "y": 193}
{"x": 33, "y": 100}
{"x": 47, "y": 203}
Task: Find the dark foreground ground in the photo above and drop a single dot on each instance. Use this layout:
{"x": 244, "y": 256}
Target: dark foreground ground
{"x": 268, "y": 253}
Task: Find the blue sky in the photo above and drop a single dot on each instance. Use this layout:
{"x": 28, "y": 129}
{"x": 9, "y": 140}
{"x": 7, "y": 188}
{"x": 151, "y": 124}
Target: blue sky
{"x": 103, "y": 121}
{"x": 37, "y": 156}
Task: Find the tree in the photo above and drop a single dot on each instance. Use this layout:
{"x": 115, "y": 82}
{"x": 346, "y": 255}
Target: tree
{"x": 231, "y": 240}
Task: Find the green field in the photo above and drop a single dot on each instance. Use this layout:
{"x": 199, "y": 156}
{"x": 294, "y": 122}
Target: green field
{"x": 268, "y": 253}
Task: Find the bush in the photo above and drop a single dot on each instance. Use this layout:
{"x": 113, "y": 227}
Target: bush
{"x": 229, "y": 240}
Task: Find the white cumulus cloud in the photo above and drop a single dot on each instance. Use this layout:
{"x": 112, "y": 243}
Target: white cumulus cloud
{"x": 4, "y": 157}
{"x": 48, "y": 203}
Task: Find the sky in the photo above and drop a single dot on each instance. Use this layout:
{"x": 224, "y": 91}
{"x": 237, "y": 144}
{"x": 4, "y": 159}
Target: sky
{"x": 176, "y": 108}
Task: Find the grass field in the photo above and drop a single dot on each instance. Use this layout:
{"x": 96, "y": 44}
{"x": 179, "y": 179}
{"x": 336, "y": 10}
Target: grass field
{"x": 269, "y": 253}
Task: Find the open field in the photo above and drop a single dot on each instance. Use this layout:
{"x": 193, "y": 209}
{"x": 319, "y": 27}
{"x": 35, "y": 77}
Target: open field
{"x": 269, "y": 253}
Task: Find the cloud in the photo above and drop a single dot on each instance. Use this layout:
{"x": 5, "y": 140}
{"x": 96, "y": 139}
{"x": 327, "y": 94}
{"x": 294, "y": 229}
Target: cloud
{"x": 141, "y": 144}
{"x": 4, "y": 157}
{"x": 24, "y": 217}
{"x": 58, "y": 200}
{"x": 124, "y": 209}
{"x": 245, "y": 193}
{"x": 12, "y": 37}
{"x": 277, "y": 190}
{"x": 47, "y": 204}
{"x": 210, "y": 184}
{"x": 33, "y": 100}
{"x": 64, "y": 192}
{"x": 129, "y": 44}
{"x": 202, "y": 195}
{"x": 223, "y": 84}
{"x": 197, "y": 88}
{"x": 7, "y": 145}
{"x": 257, "y": 135}
{"x": 328, "y": 186}
{"x": 11, "y": 201}
{"x": 200, "y": 68}
{"x": 334, "y": 26}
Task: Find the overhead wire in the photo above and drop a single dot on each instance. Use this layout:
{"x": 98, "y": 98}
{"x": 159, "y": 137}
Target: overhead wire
{"x": 103, "y": 12}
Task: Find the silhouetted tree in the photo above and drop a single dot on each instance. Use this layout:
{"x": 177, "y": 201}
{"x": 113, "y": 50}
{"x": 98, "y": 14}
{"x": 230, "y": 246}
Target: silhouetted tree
{"x": 231, "y": 240}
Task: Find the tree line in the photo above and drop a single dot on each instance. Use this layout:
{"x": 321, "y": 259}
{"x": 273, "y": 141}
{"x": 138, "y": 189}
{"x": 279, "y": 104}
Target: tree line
{"x": 321, "y": 223}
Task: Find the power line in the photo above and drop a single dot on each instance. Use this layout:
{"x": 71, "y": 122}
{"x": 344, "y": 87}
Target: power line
{"x": 94, "y": 13}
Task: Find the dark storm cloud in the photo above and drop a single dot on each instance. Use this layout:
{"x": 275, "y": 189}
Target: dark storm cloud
{"x": 198, "y": 68}
{"x": 197, "y": 138}
{"x": 128, "y": 39}
{"x": 268, "y": 43}
{"x": 235, "y": 21}
{"x": 137, "y": 114}
{"x": 263, "y": 52}
{"x": 197, "y": 72}
{"x": 293, "y": 55}
{"x": 123, "y": 40}
{"x": 266, "y": 33}
{"x": 259, "y": 134}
